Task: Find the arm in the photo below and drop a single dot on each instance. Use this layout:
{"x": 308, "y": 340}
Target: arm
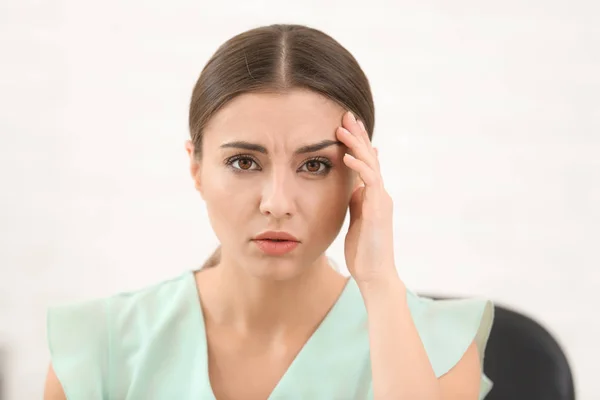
{"x": 400, "y": 365}
{"x": 463, "y": 381}
{"x": 53, "y": 389}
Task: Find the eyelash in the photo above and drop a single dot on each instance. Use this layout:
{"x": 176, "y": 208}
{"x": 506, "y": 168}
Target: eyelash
{"x": 324, "y": 161}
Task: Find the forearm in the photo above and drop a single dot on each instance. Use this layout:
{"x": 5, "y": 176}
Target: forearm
{"x": 399, "y": 363}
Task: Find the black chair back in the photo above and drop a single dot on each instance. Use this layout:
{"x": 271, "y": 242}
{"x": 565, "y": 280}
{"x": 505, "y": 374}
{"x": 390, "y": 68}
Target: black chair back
{"x": 524, "y": 361}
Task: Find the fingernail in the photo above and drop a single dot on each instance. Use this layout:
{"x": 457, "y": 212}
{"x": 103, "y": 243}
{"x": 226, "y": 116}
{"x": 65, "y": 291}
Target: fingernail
{"x": 352, "y": 117}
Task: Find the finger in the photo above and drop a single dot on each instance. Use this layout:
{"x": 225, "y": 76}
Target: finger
{"x": 370, "y": 177}
{"x": 365, "y": 135}
{"x": 352, "y": 124}
{"x": 355, "y": 204}
{"x": 358, "y": 148}
{"x": 356, "y": 127}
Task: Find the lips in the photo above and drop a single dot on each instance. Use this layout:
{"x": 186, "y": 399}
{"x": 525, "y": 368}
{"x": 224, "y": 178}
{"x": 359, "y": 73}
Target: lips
{"x": 276, "y": 236}
{"x": 276, "y": 243}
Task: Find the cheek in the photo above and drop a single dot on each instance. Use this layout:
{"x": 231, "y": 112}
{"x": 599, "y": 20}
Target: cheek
{"x": 223, "y": 188}
{"x": 228, "y": 200}
{"x": 327, "y": 206}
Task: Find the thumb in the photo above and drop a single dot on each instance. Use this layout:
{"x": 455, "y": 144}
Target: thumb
{"x": 355, "y": 205}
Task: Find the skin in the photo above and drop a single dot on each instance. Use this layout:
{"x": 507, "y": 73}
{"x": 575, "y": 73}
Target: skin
{"x": 259, "y": 309}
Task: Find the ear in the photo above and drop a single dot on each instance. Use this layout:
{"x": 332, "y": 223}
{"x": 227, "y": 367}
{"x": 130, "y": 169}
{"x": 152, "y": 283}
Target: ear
{"x": 194, "y": 165}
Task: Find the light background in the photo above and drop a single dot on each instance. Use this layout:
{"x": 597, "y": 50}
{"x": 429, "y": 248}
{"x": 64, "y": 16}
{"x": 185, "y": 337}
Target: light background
{"x": 488, "y": 124}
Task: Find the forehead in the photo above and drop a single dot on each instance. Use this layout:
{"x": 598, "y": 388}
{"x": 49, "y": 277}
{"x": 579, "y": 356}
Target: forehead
{"x": 275, "y": 119}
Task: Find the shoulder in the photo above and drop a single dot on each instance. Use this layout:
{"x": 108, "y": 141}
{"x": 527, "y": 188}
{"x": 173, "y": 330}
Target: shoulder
{"x": 82, "y": 336}
{"x": 158, "y": 299}
{"x": 97, "y": 315}
{"x": 454, "y": 332}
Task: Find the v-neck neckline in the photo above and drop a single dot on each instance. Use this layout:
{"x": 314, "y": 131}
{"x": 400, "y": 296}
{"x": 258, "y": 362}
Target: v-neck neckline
{"x": 325, "y": 327}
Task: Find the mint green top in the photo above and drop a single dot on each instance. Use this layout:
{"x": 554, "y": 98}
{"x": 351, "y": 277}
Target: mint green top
{"x": 151, "y": 345}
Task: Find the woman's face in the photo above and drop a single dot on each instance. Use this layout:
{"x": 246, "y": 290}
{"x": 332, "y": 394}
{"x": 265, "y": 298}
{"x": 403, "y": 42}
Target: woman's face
{"x": 271, "y": 162}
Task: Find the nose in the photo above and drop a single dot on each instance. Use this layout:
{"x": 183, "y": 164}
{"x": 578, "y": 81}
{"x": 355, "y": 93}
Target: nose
{"x": 278, "y": 197}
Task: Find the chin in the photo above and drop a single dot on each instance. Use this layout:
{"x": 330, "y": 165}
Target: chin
{"x": 277, "y": 268}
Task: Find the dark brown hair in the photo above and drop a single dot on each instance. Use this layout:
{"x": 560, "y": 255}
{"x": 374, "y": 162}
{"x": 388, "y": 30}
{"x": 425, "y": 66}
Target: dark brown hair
{"x": 276, "y": 59}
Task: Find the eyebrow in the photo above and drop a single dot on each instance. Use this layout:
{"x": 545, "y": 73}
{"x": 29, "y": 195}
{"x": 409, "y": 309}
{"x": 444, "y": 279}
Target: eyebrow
{"x": 301, "y": 150}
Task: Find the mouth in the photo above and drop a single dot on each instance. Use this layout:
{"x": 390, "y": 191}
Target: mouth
{"x": 276, "y": 243}
{"x": 279, "y": 236}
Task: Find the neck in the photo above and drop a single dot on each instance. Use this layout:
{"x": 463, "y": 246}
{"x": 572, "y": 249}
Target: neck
{"x": 232, "y": 297}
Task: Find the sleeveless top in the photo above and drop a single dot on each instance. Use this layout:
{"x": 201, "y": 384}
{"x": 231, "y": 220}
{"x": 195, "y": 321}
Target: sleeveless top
{"x": 150, "y": 344}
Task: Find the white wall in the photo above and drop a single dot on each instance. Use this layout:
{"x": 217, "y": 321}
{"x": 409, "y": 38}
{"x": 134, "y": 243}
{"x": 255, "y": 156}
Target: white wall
{"x": 488, "y": 121}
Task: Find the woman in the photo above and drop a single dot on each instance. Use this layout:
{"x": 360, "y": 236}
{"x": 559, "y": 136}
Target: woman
{"x": 281, "y": 120}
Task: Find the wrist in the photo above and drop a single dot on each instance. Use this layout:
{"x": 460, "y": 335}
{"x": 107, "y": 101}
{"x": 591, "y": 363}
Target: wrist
{"x": 387, "y": 286}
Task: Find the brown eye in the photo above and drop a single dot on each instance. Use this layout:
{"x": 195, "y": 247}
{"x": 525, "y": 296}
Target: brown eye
{"x": 317, "y": 166}
{"x": 245, "y": 163}
{"x": 313, "y": 166}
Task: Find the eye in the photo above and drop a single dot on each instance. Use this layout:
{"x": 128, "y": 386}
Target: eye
{"x": 317, "y": 166}
{"x": 243, "y": 163}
